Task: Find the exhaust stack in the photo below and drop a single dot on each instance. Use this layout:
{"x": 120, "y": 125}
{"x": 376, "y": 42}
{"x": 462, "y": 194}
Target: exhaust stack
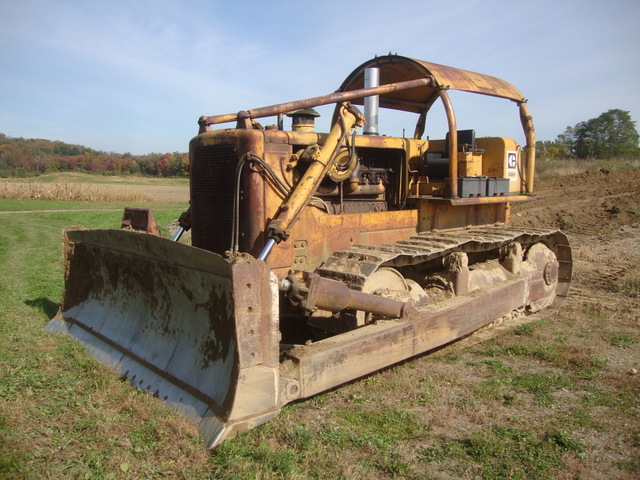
{"x": 371, "y": 106}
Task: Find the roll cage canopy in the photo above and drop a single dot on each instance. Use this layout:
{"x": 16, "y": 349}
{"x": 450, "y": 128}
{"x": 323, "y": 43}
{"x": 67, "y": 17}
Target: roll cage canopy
{"x": 395, "y": 68}
{"x": 409, "y": 85}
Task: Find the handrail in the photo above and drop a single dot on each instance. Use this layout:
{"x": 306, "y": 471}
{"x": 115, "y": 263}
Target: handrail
{"x": 335, "y": 97}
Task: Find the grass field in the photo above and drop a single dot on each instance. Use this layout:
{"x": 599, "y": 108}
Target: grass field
{"x": 556, "y": 398}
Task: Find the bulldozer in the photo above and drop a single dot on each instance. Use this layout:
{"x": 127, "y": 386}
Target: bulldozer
{"x": 317, "y": 258}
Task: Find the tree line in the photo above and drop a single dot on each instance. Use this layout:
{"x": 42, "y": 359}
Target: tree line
{"x": 20, "y": 157}
{"x": 612, "y": 134}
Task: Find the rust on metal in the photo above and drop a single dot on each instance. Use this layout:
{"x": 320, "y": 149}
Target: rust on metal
{"x": 315, "y": 101}
{"x": 453, "y": 144}
{"x": 394, "y": 68}
{"x": 324, "y": 366}
{"x": 335, "y": 296}
{"x": 530, "y": 147}
{"x": 485, "y": 200}
{"x": 140, "y": 220}
{"x": 182, "y": 322}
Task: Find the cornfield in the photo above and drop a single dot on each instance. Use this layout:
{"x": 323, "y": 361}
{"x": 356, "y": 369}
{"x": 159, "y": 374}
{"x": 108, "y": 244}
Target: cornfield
{"x": 75, "y": 192}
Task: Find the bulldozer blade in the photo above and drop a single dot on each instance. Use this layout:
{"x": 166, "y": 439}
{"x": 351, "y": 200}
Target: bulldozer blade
{"x": 191, "y": 327}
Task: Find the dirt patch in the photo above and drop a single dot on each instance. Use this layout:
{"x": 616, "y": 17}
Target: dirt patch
{"x": 591, "y": 203}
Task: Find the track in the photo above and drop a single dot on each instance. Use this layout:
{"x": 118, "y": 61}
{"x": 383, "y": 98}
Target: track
{"x": 427, "y": 252}
{"x": 358, "y": 262}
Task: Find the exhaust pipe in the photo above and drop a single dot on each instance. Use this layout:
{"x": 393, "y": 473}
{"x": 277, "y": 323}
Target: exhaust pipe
{"x": 371, "y": 105}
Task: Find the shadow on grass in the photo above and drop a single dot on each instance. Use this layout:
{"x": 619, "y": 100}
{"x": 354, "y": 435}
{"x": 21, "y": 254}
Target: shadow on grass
{"x": 46, "y": 306}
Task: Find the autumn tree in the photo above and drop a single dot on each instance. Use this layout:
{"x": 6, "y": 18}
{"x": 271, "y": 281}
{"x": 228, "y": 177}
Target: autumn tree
{"x": 21, "y": 157}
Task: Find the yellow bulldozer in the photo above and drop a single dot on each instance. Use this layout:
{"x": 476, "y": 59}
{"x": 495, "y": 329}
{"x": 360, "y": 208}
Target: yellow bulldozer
{"x": 317, "y": 258}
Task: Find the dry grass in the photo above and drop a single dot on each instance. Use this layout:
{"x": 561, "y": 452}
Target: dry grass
{"x": 629, "y": 284}
{"x": 554, "y": 167}
{"x": 73, "y": 192}
{"x": 97, "y": 189}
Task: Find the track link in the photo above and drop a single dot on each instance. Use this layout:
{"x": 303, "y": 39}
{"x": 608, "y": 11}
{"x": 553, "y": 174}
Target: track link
{"x": 355, "y": 264}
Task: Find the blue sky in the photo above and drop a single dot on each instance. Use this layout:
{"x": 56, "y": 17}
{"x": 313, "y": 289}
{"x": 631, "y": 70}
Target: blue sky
{"x": 134, "y": 76}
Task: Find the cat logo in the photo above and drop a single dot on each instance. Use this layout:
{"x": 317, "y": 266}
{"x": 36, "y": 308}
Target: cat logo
{"x": 512, "y": 164}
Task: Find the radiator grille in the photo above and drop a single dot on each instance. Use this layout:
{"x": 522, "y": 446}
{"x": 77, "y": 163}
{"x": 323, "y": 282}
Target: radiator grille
{"x": 212, "y": 184}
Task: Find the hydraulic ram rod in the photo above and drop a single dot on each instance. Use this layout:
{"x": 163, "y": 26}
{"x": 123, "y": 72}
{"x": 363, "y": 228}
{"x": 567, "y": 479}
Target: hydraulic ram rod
{"x": 317, "y": 101}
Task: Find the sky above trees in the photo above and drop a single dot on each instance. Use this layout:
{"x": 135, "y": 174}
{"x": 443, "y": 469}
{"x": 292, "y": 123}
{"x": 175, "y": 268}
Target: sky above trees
{"x": 135, "y": 76}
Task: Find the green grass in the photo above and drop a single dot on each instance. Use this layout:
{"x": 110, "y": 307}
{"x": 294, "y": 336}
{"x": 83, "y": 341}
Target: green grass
{"x": 12, "y": 205}
{"x": 506, "y": 453}
{"x": 622, "y": 339}
{"x": 53, "y": 396}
